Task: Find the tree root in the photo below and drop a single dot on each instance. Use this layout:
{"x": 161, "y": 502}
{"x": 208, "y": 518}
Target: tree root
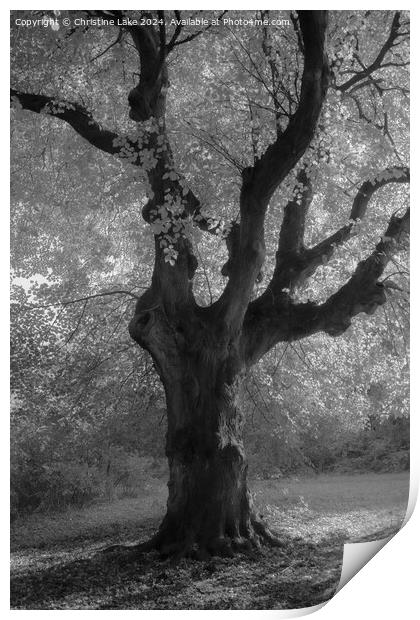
{"x": 258, "y": 535}
{"x": 265, "y": 534}
{"x": 136, "y": 549}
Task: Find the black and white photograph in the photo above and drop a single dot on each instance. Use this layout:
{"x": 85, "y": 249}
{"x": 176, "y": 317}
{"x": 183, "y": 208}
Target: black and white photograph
{"x": 209, "y": 304}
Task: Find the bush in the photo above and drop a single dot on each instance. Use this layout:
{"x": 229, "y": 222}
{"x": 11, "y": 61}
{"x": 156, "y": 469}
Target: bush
{"x": 59, "y": 485}
{"x": 52, "y": 487}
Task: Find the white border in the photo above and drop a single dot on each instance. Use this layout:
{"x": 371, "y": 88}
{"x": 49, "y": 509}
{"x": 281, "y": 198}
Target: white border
{"x": 387, "y": 587}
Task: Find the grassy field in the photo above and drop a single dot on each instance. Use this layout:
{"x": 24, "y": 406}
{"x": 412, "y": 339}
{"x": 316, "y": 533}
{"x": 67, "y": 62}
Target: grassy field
{"x": 57, "y": 561}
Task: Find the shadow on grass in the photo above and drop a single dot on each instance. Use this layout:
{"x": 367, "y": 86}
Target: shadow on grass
{"x": 299, "y": 575}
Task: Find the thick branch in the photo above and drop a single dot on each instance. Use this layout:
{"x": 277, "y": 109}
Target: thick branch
{"x": 75, "y": 115}
{"x": 148, "y": 99}
{"x": 84, "y": 124}
{"x": 321, "y": 253}
{"x": 273, "y": 317}
{"x": 293, "y": 226}
{"x": 267, "y": 323}
{"x": 363, "y": 292}
{"x": 261, "y": 180}
{"x": 289, "y": 255}
{"x": 281, "y": 156}
{"x": 295, "y": 263}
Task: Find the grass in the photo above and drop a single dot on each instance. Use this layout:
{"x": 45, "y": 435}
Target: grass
{"x": 355, "y": 505}
{"x": 56, "y": 562}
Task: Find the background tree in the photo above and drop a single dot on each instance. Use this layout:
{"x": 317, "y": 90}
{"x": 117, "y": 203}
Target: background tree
{"x": 278, "y": 122}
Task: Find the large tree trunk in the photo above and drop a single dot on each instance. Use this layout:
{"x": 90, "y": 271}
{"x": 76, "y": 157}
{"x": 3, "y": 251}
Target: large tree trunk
{"x": 209, "y": 508}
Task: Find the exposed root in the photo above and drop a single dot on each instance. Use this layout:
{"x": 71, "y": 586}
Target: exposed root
{"x": 136, "y": 549}
{"x": 264, "y": 532}
{"x": 120, "y": 549}
{"x": 168, "y": 546}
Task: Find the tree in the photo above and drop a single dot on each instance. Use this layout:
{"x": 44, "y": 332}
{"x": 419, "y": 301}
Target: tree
{"x": 202, "y": 352}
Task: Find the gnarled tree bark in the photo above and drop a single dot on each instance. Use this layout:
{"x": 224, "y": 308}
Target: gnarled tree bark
{"x": 209, "y": 508}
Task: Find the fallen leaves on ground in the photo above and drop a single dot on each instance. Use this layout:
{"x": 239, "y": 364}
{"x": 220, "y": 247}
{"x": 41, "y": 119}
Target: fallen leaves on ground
{"x": 65, "y": 568}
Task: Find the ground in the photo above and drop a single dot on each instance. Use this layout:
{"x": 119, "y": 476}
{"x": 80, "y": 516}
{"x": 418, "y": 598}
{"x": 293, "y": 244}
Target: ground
{"x": 57, "y": 561}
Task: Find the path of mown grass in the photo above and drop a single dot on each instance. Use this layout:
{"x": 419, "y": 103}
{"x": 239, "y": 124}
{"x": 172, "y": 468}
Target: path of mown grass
{"x": 56, "y": 564}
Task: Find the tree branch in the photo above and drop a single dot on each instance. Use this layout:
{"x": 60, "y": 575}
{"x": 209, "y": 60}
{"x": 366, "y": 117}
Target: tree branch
{"x": 363, "y": 292}
{"x": 175, "y": 41}
{"x": 273, "y": 317}
{"x": 68, "y": 302}
{"x": 295, "y": 23}
{"x": 79, "y": 320}
{"x": 281, "y": 156}
{"x": 289, "y": 255}
{"x": 176, "y": 33}
{"x": 359, "y": 76}
{"x": 294, "y": 262}
{"x": 321, "y": 253}
{"x": 293, "y": 226}
{"x": 162, "y": 36}
{"x": 261, "y": 180}
{"x": 111, "y": 45}
{"x": 79, "y": 118}
{"x": 267, "y": 324}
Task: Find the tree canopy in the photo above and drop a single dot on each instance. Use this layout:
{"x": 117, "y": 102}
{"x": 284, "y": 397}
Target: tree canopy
{"x": 223, "y": 111}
